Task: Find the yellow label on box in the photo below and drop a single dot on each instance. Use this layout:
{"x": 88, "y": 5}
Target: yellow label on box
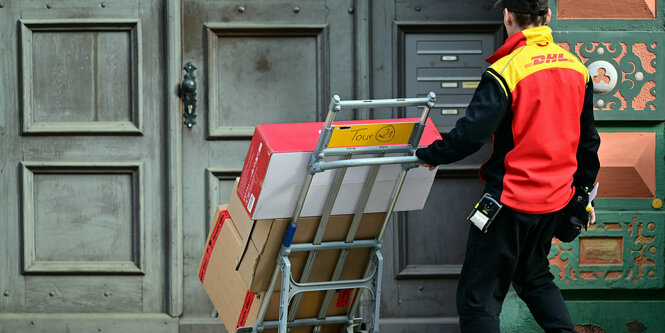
{"x": 371, "y": 135}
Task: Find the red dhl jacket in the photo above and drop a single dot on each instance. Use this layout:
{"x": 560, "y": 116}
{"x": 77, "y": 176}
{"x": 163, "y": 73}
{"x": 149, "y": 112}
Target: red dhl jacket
{"x": 535, "y": 102}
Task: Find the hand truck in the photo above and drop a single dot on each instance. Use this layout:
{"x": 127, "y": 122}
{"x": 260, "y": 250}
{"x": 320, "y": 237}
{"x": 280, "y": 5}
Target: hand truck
{"x": 291, "y": 291}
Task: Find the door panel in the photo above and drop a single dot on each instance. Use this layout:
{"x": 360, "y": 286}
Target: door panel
{"x": 83, "y": 294}
{"x": 111, "y": 220}
{"x": 105, "y": 96}
{"x": 245, "y": 67}
{"x": 83, "y": 228}
{"x": 259, "y": 62}
{"x": 432, "y": 51}
{"x": 439, "y": 228}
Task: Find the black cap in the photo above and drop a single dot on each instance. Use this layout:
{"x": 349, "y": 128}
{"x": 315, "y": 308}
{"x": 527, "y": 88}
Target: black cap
{"x": 535, "y": 7}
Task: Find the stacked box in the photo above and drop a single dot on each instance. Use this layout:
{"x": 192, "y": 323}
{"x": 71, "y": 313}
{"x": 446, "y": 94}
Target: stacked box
{"x": 231, "y": 295}
{"x": 243, "y": 245}
{"x": 262, "y": 240}
{"x": 276, "y": 167}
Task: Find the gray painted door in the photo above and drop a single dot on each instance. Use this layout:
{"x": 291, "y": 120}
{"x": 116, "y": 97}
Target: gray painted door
{"x": 258, "y": 62}
{"x": 82, "y": 233}
{"x": 440, "y": 46}
{"x": 357, "y": 49}
{"x": 83, "y": 189}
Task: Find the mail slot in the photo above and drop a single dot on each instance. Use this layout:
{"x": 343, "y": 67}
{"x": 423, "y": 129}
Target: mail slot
{"x": 449, "y": 64}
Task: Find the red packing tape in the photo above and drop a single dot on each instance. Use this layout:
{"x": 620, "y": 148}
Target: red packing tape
{"x": 211, "y": 243}
{"x": 343, "y": 299}
{"x": 246, "y": 306}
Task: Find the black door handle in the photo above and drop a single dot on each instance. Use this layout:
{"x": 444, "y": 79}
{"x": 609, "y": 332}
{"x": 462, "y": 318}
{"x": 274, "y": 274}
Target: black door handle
{"x": 188, "y": 94}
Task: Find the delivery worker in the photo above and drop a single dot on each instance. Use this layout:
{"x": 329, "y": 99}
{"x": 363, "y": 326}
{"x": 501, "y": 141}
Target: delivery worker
{"x": 535, "y": 102}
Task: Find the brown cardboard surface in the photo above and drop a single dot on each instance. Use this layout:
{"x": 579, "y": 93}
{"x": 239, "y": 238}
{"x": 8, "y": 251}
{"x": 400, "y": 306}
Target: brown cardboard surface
{"x": 257, "y": 265}
{"x": 229, "y": 293}
{"x": 256, "y": 259}
{"x": 226, "y": 291}
{"x": 242, "y": 221}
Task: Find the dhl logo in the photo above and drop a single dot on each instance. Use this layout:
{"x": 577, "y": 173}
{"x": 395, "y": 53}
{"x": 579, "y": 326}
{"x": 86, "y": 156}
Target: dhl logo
{"x": 546, "y": 59}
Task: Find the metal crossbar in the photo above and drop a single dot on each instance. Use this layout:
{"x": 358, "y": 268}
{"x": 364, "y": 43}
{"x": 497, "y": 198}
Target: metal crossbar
{"x": 291, "y": 291}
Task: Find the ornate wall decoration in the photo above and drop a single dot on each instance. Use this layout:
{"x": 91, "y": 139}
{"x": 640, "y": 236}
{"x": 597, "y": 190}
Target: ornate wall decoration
{"x": 625, "y": 9}
{"x": 623, "y": 70}
{"x": 627, "y": 165}
{"x": 620, "y": 251}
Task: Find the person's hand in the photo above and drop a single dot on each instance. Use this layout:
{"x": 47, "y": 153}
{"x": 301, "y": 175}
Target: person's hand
{"x": 430, "y": 167}
{"x": 423, "y": 164}
{"x": 592, "y": 216}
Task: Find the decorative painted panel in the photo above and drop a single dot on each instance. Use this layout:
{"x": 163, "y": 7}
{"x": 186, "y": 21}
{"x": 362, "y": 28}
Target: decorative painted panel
{"x": 603, "y": 9}
{"x": 64, "y": 235}
{"x": 247, "y": 71}
{"x": 623, "y": 67}
{"x": 634, "y": 143}
{"x": 622, "y": 250}
{"x": 602, "y": 15}
{"x": 627, "y": 165}
{"x": 631, "y": 316}
{"x": 81, "y": 76}
{"x": 591, "y": 316}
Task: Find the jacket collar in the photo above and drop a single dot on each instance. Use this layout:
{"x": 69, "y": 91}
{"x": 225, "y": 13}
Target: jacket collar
{"x": 538, "y": 35}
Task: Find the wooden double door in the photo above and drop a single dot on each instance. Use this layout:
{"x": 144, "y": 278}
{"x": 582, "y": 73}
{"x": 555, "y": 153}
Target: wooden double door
{"x": 106, "y": 194}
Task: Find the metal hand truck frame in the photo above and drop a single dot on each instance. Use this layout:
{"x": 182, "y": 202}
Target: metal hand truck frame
{"x": 291, "y": 291}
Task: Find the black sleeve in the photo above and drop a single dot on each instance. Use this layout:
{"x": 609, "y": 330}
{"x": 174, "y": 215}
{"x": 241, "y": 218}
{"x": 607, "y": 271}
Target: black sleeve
{"x": 483, "y": 116}
{"x": 587, "y": 150}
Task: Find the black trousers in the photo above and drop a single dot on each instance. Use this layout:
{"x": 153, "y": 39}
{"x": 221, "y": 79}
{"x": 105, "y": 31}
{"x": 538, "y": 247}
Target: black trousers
{"x": 514, "y": 250}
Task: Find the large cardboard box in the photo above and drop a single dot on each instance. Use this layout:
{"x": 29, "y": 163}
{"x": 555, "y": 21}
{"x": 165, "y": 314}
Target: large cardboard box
{"x": 262, "y": 240}
{"x": 236, "y": 305}
{"x": 276, "y": 167}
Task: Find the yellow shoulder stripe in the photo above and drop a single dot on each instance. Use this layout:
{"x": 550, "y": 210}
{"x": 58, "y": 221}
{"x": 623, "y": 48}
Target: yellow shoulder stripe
{"x": 505, "y": 91}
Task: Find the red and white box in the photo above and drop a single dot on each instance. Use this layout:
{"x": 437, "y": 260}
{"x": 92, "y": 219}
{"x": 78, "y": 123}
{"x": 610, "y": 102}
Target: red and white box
{"x": 276, "y": 167}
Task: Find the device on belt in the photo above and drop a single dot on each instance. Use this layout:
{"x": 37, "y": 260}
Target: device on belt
{"x": 484, "y": 212}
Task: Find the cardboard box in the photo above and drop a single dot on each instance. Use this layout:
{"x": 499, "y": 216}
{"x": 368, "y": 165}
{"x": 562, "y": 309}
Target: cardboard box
{"x": 276, "y": 167}
{"x": 262, "y": 240}
{"x": 236, "y": 305}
